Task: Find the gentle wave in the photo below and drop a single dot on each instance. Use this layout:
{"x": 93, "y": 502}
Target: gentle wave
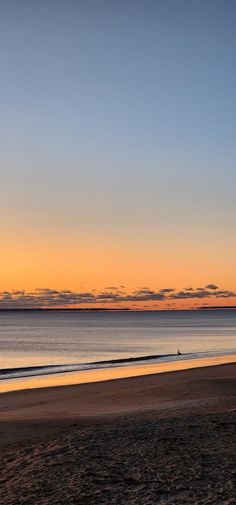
{"x": 13, "y": 373}
{"x": 32, "y": 371}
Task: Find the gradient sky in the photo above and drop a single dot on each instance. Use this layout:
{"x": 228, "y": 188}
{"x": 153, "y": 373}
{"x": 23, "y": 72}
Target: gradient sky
{"x": 118, "y": 145}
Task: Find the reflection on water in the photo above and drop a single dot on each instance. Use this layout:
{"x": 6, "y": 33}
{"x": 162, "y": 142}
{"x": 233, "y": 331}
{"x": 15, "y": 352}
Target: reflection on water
{"x": 108, "y": 374}
{"x": 53, "y": 342}
{"x": 40, "y": 338}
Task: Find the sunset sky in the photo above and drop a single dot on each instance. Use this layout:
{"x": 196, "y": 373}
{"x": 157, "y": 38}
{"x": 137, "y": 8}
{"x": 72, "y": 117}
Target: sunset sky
{"x": 118, "y": 153}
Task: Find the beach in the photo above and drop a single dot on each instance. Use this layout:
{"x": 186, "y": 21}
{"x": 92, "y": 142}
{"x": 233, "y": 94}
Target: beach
{"x": 158, "y": 438}
{"x": 118, "y": 280}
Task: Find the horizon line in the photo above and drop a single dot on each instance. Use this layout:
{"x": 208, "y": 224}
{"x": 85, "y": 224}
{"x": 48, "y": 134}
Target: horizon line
{"x": 109, "y": 309}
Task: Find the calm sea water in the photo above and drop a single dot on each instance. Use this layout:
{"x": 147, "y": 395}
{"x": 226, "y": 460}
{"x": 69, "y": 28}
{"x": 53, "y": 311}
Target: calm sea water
{"x": 46, "y": 339}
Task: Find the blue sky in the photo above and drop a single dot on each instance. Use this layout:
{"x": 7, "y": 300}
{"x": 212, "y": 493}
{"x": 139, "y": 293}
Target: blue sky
{"x": 118, "y": 120}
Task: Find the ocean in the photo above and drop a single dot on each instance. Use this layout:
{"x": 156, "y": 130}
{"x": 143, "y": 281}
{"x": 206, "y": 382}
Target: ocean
{"x": 47, "y": 342}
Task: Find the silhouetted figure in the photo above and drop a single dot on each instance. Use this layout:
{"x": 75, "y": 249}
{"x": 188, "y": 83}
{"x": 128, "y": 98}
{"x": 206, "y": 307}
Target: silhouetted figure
{"x": 179, "y": 353}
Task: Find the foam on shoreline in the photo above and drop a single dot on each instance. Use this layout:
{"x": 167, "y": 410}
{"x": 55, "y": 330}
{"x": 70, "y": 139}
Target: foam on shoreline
{"x": 106, "y": 374}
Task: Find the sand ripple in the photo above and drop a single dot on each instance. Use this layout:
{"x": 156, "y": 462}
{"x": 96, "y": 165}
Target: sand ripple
{"x": 140, "y": 460}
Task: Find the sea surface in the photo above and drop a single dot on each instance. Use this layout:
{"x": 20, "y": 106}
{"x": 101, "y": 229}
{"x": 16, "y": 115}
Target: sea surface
{"x": 38, "y": 343}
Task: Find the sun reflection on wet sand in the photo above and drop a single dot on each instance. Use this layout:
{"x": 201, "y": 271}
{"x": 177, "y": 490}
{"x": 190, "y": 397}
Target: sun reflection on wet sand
{"x": 87, "y": 376}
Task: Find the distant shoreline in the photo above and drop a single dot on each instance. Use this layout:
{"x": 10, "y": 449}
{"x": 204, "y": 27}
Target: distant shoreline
{"x": 103, "y": 309}
{"x": 221, "y": 307}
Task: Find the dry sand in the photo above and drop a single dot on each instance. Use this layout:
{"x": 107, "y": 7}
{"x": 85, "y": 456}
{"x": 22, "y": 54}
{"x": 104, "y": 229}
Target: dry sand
{"x": 165, "y": 439}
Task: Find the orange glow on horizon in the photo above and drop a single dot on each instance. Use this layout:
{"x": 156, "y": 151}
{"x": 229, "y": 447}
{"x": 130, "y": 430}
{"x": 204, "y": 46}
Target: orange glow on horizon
{"x": 83, "y": 264}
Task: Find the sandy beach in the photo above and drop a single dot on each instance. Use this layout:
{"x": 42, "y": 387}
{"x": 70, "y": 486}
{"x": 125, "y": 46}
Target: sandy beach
{"x": 117, "y": 259}
{"x": 161, "y": 438}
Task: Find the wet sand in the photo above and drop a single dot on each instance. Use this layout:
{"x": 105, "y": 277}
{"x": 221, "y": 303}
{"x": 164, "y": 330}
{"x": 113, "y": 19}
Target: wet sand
{"x": 120, "y": 372}
{"x": 165, "y": 439}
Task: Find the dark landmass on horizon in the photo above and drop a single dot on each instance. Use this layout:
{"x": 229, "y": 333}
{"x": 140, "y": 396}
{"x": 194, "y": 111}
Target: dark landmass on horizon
{"x": 57, "y": 309}
{"x": 104, "y": 309}
{"x": 220, "y": 307}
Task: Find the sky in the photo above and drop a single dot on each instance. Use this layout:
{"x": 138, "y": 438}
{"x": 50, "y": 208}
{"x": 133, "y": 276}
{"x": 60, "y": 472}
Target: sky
{"x": 118, "y": 152}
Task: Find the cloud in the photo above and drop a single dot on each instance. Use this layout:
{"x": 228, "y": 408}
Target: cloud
{"x": 224, "y": 294}
{"x": 144, "y": 295}
{"x": 202, "y": 293}
{"x": 211, "y": 286}
{"x": 166, "y": 290}
{"x": 52, "y": 298}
